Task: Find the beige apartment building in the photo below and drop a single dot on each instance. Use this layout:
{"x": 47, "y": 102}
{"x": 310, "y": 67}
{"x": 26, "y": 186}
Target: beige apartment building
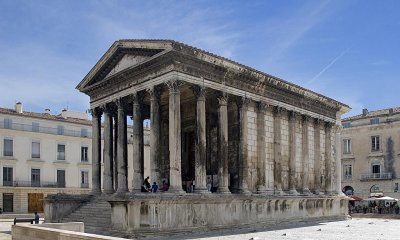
{"x": 371, "y": 153}
{"x": 42, "y": 153}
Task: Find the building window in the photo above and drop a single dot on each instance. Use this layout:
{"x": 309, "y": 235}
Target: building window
{"x": 346, "y": 125}
{"x": 346, "y": 146}
{"x": 84, "y": 132}
{"x": 7, "y": 176}
{"x": 8, "y": 147}
{"x": 376, "y": 170}
{"x": 35, "y": 127}
{"x": 61, "y": 178}
{"x": 60, "y": 130}
{"x": 35, "y": 177}
{"x": 84, "y": 179}
{"x": 375, "y": 145}
{"x": 347, "y": 171}
{"x": 8, "y": 123}
{"x": 374, "y": 121}
{"x": 84, "y": 154}
{"x": 35, "y": 149}
{"x": 60, "y": 152}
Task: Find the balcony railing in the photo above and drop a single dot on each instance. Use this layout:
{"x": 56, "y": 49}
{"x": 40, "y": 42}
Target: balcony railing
{"x": 376, "y": 176}
{"x": 43, "y": 184}
{"x": 347, "y": 177}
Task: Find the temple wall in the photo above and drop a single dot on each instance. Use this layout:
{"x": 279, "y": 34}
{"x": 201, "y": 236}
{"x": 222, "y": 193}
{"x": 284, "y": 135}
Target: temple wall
{"x": 190, "y": 213}
{"x": 252, "y": 146}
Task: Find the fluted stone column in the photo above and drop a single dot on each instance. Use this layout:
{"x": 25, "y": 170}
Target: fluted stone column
{"x": 338, "y": 163}
{"x": 292, "y": 153}
{"x": 261, "y": 158}
{"x": 200, "y": 142}
{"x": 137, "y": 133}
{"x": 96, "y": 150}
{"x": 108, "y": 152}
{"x": 328, "y": 158}
{"x": 155, "y": 135}
{"x": 121, "y": 149}
{"x": 115, "y": 150}
{"x": 223, "y": 144}
{"x": 305, "y": 156}
{"x": 175, "y": 137}
{"x": 317, "y": 156}
{"x": 278, "y": 151}
{"x": 242, "y": 103}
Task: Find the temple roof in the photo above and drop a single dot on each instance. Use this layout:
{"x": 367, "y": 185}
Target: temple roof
{"x": 149, "y": 49}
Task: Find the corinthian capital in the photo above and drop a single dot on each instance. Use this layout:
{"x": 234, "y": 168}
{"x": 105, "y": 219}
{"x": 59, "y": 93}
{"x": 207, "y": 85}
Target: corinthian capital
{"x": 198, "y": 91}
{"x": 174, "y": 85}
{"x": 222, "y": 98}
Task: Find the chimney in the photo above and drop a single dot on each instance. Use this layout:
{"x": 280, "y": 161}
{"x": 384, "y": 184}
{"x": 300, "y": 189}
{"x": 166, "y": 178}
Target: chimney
{"x": 47, "y": 111}
{"x": 365, "y": 112}
{"x": 18, "y": 107}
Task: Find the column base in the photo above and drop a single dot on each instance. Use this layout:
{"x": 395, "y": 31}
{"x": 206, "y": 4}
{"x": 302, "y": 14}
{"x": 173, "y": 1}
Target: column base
{"x": 293, "y": 192}
{"x": 279, "y": 192}
{"x": 261, "y": 189}
{"x": 307, "y": 192}
{"x": 243, "y": 191}
{"x": 224, "y": 190}
{"x": 201, "y": 191}
{"x": 269, "y": 192}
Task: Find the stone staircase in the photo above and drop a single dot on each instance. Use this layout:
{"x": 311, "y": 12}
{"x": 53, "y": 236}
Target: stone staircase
{"x": 95, "y": 214}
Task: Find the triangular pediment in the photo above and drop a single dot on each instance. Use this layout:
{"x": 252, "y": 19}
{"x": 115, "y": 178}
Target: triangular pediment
{"x": 127, "y": 61}
{"x": 122, "y": 55}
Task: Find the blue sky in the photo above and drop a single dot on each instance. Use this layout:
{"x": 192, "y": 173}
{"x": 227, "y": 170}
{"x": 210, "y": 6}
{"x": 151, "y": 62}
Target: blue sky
{"x": 348, "y": 50}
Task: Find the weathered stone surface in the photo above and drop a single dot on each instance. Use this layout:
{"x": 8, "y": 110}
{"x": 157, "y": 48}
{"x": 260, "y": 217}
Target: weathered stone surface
{"x": 192, "y": 212}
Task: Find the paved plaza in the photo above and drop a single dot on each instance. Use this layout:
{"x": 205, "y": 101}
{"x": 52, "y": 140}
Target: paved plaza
{"x": 356, "y": 228}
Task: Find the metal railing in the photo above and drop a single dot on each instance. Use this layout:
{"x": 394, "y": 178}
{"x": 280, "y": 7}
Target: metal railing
{"x": 43, "y": 184}
{"x": 376, "y": 176}
{"x": 347, "y": 177}
{"x": 48, "y": 130}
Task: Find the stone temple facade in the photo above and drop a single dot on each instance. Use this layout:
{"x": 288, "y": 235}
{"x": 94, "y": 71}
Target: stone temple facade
{"x": 271, "y": 145}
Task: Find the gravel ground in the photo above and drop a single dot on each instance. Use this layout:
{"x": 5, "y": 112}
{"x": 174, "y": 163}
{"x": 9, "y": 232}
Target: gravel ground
{"x": 353, "y": 229}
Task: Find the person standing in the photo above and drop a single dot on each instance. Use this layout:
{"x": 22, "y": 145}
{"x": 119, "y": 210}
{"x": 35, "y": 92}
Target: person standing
{"x": 37, "y": 218}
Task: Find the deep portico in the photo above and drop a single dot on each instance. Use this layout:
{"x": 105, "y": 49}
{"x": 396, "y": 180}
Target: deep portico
{"x": 268, "y": 145}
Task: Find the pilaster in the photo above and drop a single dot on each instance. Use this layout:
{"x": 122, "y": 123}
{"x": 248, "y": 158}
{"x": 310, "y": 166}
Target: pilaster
{"x": 317, "y": 156}
{"x": 305, "y": 156}
{"x": 328, "y": 159}
{"x": 261, "y": 158}
{"x": 277, "y": 112}
{"x": 292, "y": 153}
